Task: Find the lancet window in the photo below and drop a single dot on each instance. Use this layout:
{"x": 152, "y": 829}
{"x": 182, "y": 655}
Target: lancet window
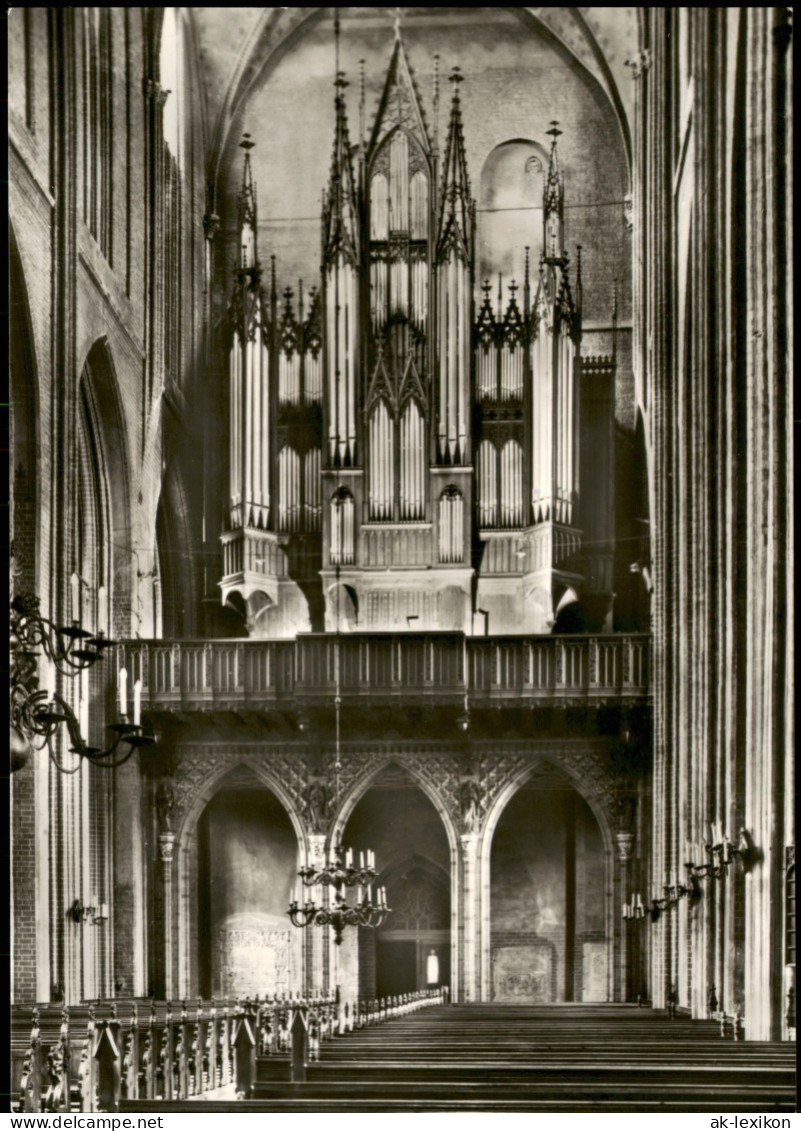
{"x": 98, "y": 149}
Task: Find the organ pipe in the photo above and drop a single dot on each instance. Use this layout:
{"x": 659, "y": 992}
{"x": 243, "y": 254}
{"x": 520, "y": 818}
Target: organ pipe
{"x": 451, "y": 527}
{"x": 379, "y": 207}
{"x": 313, "y": 391}
{"x": 382, "y": 464}
{"x": 511, "y": 507}
{"x": 399, "y": 182}
{"x": 412, "y": 448}
{"x": 419, "y": 201}
{"x": 342, "y": 529}
{"x": 289, "y": 377}
{"x": 289, "y": 510}
{"x": 454, "y": 360}
{"x": 342, "y": 307}
{"x": 235, "y": 464}
{"x": 312, "y": 486}
{"x": 487, "y": 485}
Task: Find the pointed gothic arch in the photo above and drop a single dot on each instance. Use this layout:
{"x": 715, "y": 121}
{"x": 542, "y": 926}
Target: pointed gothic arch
{"x": 104, "y": 424}
{"x": 184, "y": 910}
{"x": 417, "y": 779}
{"x": 177, "y": 583}
{"x": 598, "y": 806}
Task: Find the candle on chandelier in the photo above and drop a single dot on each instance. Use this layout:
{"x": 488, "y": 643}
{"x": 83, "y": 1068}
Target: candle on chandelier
{"x": 83, "y": 715}
{"x": 75, "y": 586}
{"x": 123, "y": 690}
{"x": 102, "y": 612}
{"x": 137, "y": 716}
{"x": 361, "y": 861}
{"x": 349, "y": 858}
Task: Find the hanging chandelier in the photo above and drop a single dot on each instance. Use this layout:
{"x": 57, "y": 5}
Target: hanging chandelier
{"x": 340, "y": 872}
{"x": 36, "y": 714}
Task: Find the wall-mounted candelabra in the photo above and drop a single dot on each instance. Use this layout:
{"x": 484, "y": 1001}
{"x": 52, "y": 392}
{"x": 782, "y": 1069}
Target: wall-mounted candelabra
{"x": 672, "y": 895}
{"x": 37, "y": 713}
{"x": 340, "y": 872}
{"x": 712, "y": 861}
{"x": 719, "y": 853}
{"x": 94, "y": 913}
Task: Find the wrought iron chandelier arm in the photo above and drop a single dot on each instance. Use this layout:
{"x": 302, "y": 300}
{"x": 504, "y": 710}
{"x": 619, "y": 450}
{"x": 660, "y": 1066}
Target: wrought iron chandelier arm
{"x": 47, "y": 717}
{"x": 54, "y": 759}
{"x": 32, "y": 631}
{"x": 36, "y": 714}
{"x": 102, "y": 759}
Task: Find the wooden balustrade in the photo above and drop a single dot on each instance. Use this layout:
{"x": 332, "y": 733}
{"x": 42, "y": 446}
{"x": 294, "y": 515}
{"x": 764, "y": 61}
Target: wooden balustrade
{"x": 161, "y": 1051}
{"x": 732, "y": 1025}
{"x": 439, "y": 665}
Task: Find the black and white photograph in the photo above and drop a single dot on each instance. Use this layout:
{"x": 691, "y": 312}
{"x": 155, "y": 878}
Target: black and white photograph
{"x": 401, "y": 563}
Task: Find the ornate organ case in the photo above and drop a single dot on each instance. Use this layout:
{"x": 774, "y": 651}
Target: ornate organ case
{"x": 401, "y": 456}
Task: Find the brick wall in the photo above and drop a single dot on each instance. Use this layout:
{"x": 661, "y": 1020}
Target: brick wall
{"x": 67, "y": 296}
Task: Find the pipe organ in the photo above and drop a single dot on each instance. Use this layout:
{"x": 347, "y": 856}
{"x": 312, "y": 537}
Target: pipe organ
{"x": 395, "y": 422}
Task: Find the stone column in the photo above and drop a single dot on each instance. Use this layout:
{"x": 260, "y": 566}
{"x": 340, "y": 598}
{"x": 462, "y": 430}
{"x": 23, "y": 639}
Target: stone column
{"x": 129, "y": 916}
{"x": 211, "y": 426}
{"x": 625, "y": 841}
{"x": 469, "y": 917}
{"x": 166, "y": 849}
{"x": 315, "y": 936}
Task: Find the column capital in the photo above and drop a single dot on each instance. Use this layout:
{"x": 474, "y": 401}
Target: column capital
{"x": 156, "y": 91}
{"x": 469, "y": 845}
{"x": 639, "y": 62}
{"x": 316, "y": 850}
{"x": 211, "y": 225}
{"x": 625, "y": 843}
{"x": 166, "y": 847}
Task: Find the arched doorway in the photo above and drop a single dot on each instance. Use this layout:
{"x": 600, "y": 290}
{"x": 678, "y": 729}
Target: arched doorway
{"x": 247, "y": 869}
{"x": 399, "y": 823}
{"x": 548, "y": 905}
{"x": 417, "y": 930}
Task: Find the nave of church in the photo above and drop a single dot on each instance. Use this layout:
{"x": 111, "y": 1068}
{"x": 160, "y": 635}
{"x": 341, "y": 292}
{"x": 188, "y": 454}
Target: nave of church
{"x": 401, "y": 557}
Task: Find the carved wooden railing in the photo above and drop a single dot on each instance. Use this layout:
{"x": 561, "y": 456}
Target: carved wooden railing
{"x": 732, "y": 1025}
{"x": 439, "y": 666}
{"x": 92, "y": 1056}
{"x": 97, "y": 1056}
